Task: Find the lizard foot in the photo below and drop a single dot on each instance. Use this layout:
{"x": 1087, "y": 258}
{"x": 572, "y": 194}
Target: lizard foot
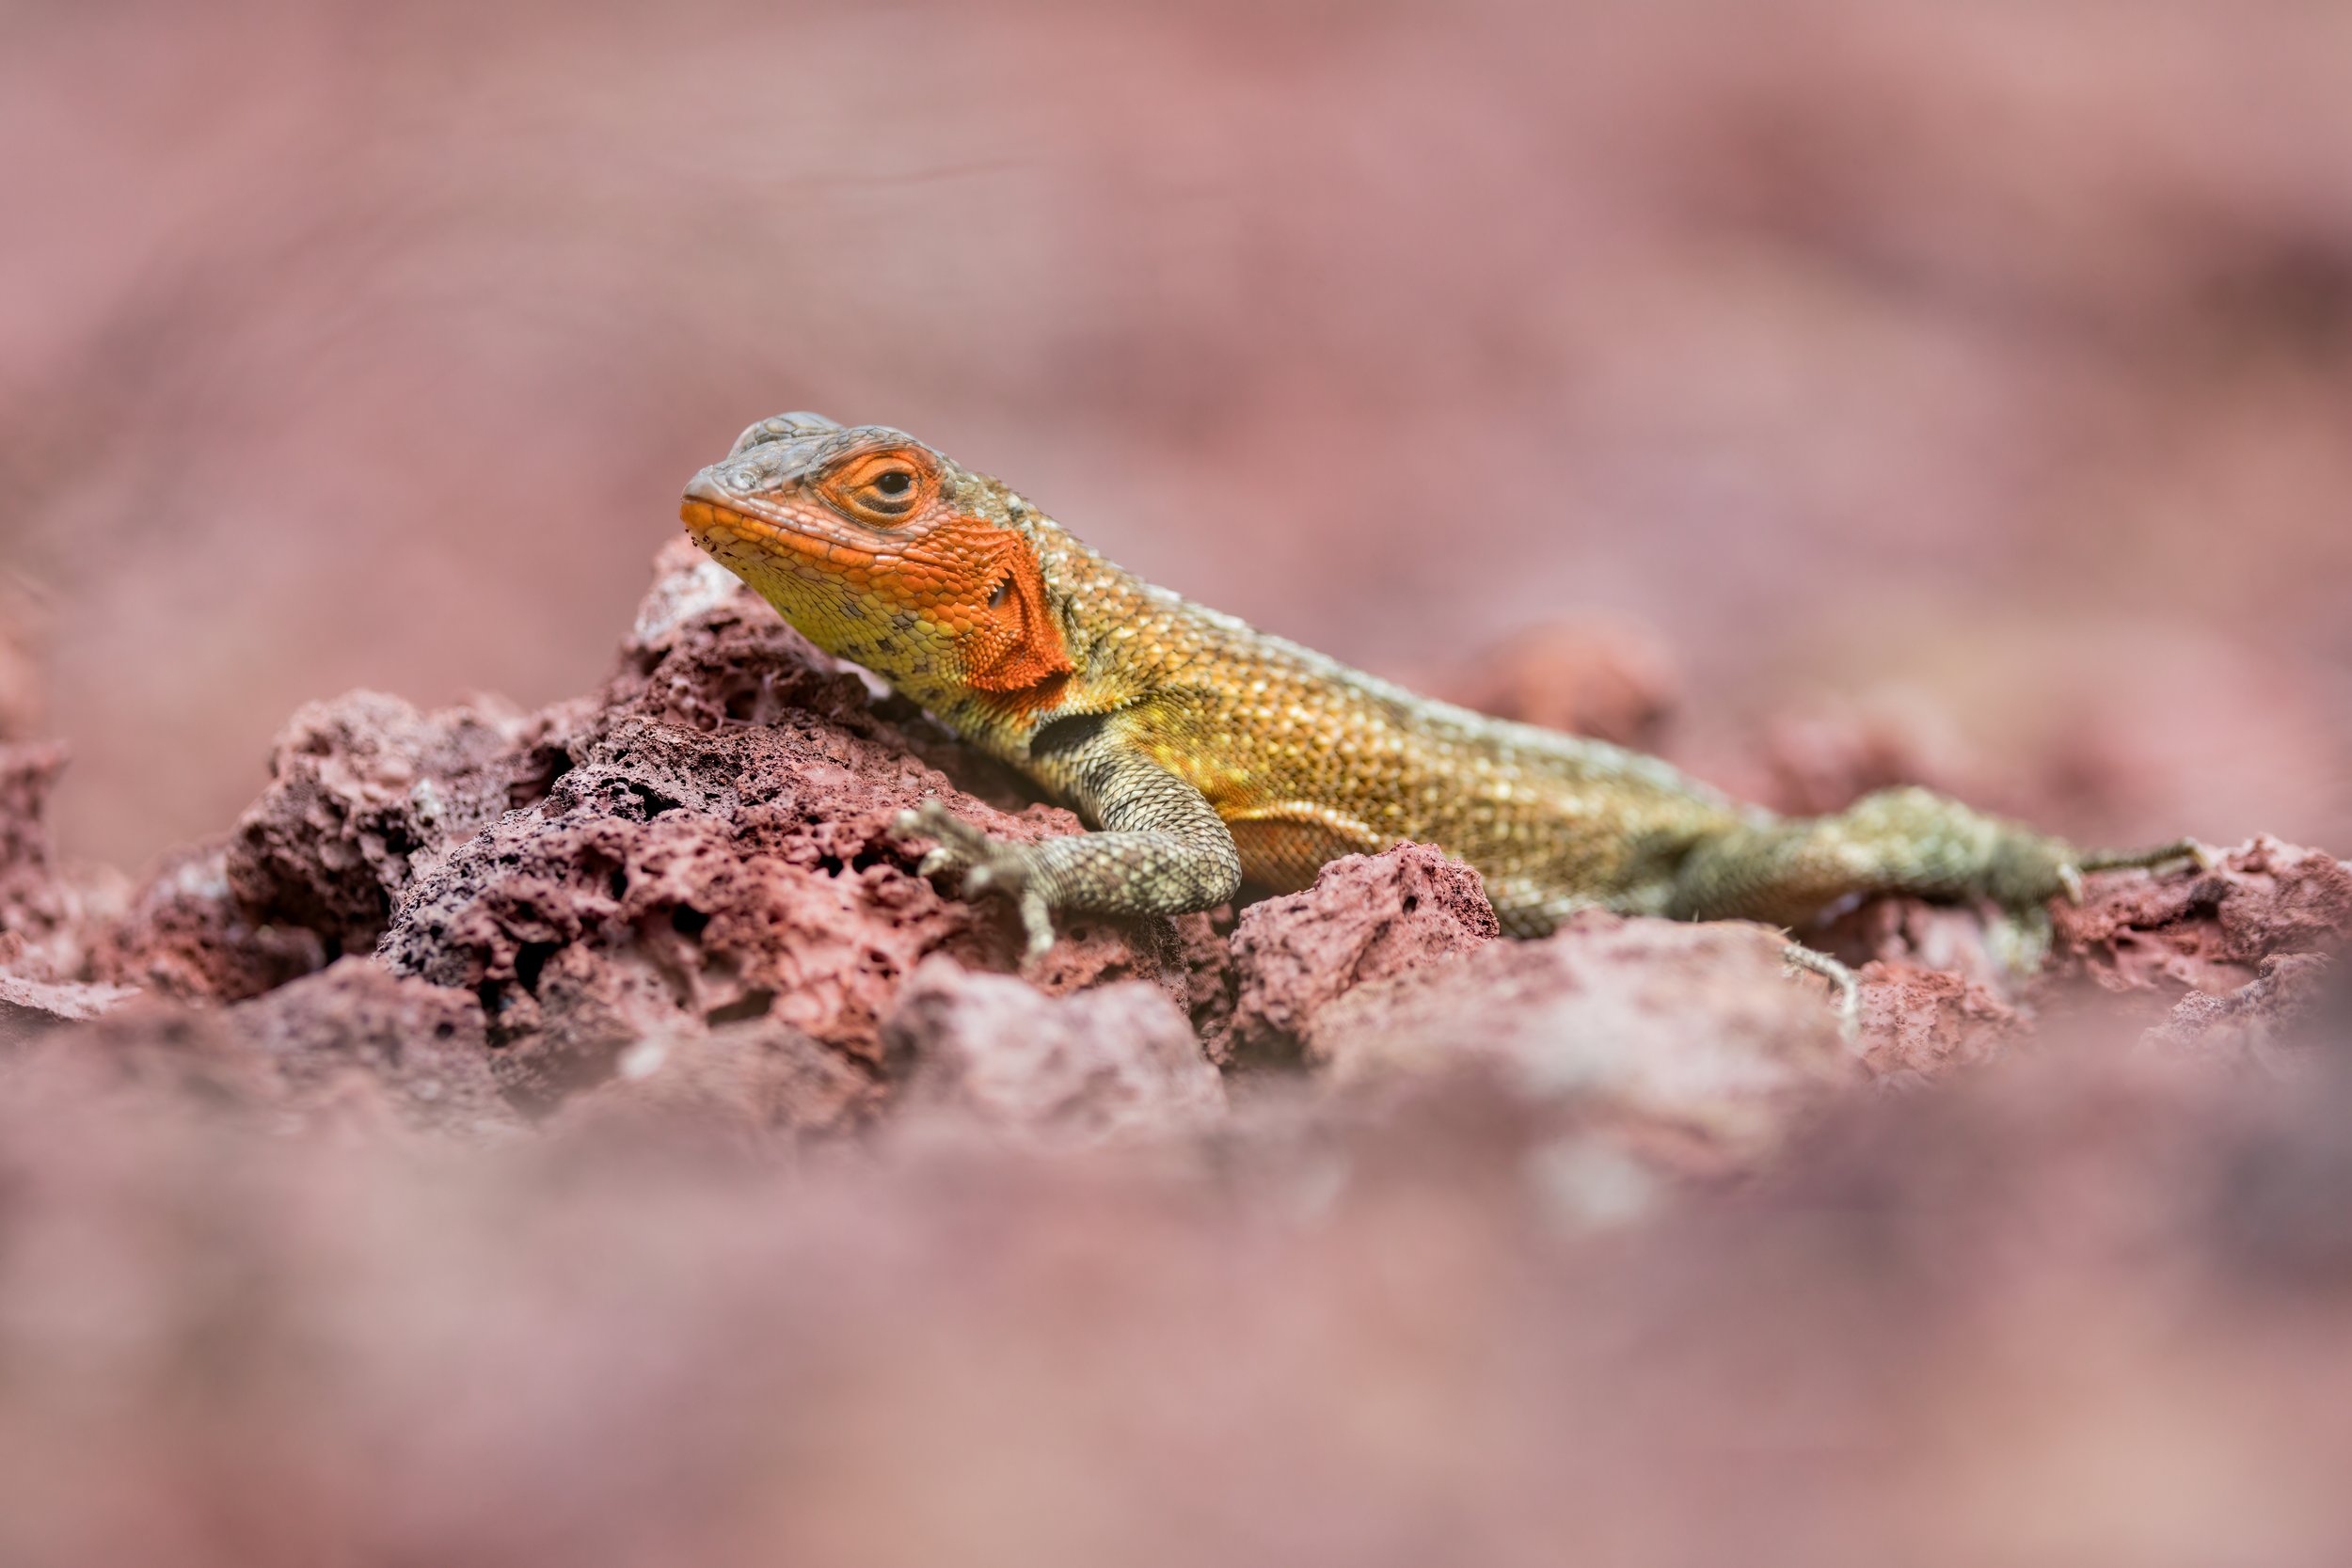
{"x": 986, "y": 863}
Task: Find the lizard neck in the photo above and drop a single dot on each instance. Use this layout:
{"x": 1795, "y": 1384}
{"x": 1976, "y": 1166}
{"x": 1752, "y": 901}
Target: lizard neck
{"x": 1118, "y": 640}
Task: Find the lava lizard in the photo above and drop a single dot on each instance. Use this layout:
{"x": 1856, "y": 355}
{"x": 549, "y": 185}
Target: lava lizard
{"x": 1203, "y": 750}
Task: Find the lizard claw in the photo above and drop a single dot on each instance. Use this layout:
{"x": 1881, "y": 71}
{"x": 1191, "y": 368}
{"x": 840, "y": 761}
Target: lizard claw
{"x": 986, "y": 863}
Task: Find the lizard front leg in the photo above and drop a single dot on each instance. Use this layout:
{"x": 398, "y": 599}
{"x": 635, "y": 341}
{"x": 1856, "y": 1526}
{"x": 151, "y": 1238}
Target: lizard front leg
{"x": 1162, "y": 849}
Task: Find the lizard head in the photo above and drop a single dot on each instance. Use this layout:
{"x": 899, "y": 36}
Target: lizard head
{"x": 882, "y": 550}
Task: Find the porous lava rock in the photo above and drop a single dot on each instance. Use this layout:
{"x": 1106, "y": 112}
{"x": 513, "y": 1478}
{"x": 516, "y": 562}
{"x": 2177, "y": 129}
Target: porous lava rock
{"x": 1929, "y": 1020}
{"x": 678, "y": 899}
{"x": 188, "y": 935}
{"x": 710, "y": 842}
{"x": 364, "y": 791}
{"x": 1695, "y": 1032}
{"x": 356, "y": 1024}
{"x": 2207, "y": 929}
{"x": 1366, "y": 918}
{"x": 2242, "y": 947}
{"x": 1059, "y": 1071}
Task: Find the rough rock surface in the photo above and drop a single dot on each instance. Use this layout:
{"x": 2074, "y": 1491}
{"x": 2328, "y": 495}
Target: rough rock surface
{"x": 712, "y": 844}
{"x": 29, "y": 1008}
{"x": 364, "y": 790}
{"x": 1685, "y": 1031}
{"x": 188, "y": 935}
{"x": 672, "y": 1101}
{"x": 1366, "y": 918}
{"x": 676, "y": 899}
{"x": 354, "y": 1028}
{"x": 1929, "y": 1020}
{"x": 1065, "y": 1072}
{"x": 2208, "y": 931}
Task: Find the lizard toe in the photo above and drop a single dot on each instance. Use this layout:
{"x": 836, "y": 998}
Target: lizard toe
{"x": 1037, "y": 920}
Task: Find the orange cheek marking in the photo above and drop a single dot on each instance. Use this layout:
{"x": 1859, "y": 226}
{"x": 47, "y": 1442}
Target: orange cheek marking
{"x": 1015, "y": 650}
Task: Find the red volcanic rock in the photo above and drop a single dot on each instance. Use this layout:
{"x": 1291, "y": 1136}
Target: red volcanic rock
{"x": 2207, "y": 929}
{"x": 364, "y": 790}
{"x": 420, "y": 1045}
{"x": 742, "y": 1082}
{"x": 1366, "y": 918}
{"x": 188, "y": 936}
{"x": 48, "y": 918}
{"x": 1929, "y": 1021}
{"x": 30, "y": 1007}
{"x": 1692, "y": 1031}
{"x": 710, "y": 842}
{"x": 2253, "y": 1022}
{"x": 27, "y": 773}
{"x": 1913, "y": 933}
{"x": 2247, "y": 940}
{"x": 1065, "y": 1071}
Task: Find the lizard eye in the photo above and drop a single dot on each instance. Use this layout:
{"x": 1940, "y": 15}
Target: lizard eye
{"x": 881, "y": 488}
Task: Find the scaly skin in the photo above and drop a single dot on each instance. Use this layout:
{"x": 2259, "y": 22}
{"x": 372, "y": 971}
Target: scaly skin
{"x": 1206, "y": 751}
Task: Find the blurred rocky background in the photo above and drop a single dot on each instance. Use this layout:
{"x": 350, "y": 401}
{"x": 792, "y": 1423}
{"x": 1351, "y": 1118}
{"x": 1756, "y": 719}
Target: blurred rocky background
{"x": 530, "y": 1111}
{"x": 1984, "y": 370}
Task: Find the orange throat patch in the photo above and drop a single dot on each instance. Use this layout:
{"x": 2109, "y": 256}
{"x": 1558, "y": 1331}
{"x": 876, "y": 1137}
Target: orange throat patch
{"x": 1016, "y": 650}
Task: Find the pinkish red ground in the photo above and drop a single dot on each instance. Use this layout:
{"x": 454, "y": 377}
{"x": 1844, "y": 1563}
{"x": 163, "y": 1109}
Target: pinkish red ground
{"x": 580, "y": 1136}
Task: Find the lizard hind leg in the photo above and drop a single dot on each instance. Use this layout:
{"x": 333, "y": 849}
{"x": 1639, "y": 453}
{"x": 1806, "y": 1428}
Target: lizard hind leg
{"x": 1898, "y": 841}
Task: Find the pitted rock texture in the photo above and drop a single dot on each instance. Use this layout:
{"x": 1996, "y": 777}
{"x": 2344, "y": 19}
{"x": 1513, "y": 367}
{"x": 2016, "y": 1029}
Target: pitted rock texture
{"x": 364, "y": 791}
{"x": 1930, "y": 1021}
{"x": 709, "y": 843}
{"x": 1064, "y": 1072}
{"x": 188, "y": 936}
{"x": 677, "y": 902}
{"x": 2208, "y": 931}
{"x": 1367, "y": 917}
{"x": 675, "y": 879}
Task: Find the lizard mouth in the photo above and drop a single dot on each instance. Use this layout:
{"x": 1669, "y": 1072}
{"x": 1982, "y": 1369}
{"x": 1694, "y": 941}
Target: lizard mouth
{"x": 719, "y": 517}
{"x": 765, "y": 542}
